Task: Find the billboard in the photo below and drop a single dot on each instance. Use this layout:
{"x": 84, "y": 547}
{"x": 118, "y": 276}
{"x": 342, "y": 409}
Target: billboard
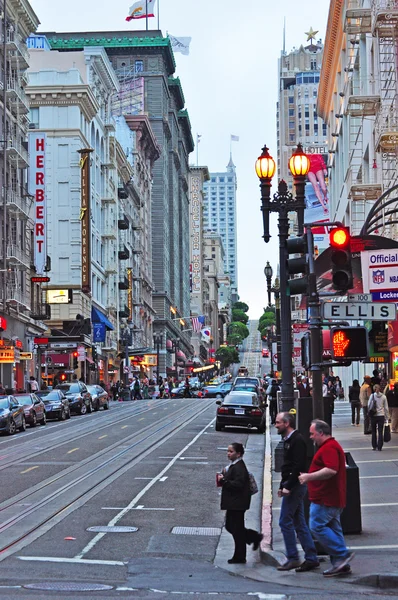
{"x": 317, "y": 195}
{"x": 37, "y": 187}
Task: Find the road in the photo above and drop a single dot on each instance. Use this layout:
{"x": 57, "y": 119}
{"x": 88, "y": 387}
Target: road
{"x": 252, "y": 356}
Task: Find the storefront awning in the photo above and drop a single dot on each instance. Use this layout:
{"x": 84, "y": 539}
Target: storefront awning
{"x": 98, "y": 317}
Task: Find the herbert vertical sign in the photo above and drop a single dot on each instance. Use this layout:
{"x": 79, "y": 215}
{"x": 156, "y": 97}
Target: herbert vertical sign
{"x": 85, "y": 218}
{"x": 37, "y": 185}
{"x": 196, "y": 233}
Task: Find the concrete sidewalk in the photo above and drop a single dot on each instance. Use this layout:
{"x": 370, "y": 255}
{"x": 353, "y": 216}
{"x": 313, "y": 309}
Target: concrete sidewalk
{"x": 376, "y": 548}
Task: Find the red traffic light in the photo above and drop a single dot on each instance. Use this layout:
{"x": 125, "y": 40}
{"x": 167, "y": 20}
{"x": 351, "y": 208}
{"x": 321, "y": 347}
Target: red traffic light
{"x": 349, "y": 343}
{"x": 340, "y": 237}
{"x": 63, "y": 377}
{"x": 75, "y": 355}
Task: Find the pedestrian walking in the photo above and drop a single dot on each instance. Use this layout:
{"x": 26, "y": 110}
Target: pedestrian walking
{"x": 292, "y": 520}
{"x": 392, "y": 401}
{"x": 187, "y": 391}
{"x": 272, "y": 391}
{"x": 235, "y": 499}
{"x": 145, "y": 388}
{"x": 364, "y": 395}
{"x": 136, "y": 389}
{"x": 353, "y": 396}
{"x": 304, "y": 388}
{"x": 115, "y": 390}
{"x": 34, "y": 386}
{"x": 326, "y": 481}
{"x": 379, "y": 415}
{"x": 339, "y": 388}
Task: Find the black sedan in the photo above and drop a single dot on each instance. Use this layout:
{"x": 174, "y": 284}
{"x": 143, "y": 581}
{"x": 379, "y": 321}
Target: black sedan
{"x": 56, "y": 404}
{"x": 240, "y": 409}
{"x": 12, "y": 415}
{"x": 216, "y": 391}
{"x": 79, "y": 397}
{"x": 100, "y": 397}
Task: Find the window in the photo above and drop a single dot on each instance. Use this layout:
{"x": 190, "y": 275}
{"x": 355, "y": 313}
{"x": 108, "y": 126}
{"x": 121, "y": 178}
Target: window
{"x": 291, "y": 100}
{"x": 221, "y": 179}
{"x": 291, "y": 112}
{"x": 230, "y": 179}
{"x": 34, "y": 117}
{"x": 313, "y": 64}
{"x": 139, "y": 66}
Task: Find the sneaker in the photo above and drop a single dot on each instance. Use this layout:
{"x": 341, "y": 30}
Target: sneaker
{"x": 289, "y": 565}
{"x": 346, "y": 560}
{"x": 256, "y": 544}
{"x": 337, "y": 571}
{"x": 308, "y": 565}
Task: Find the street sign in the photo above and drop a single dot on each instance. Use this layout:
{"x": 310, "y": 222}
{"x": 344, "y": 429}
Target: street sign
{"x": 359, "y": 297}
{"x": 63, "y": 345}
{"x": 351, "y": 311}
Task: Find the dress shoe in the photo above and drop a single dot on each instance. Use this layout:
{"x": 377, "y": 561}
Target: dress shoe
{"x": 256, "y": 544}
{"x": 307, "y": 565}
{"x": 289, "y": 565}
{"x": 336, "y": 571}
{"x": 237, "y": 561}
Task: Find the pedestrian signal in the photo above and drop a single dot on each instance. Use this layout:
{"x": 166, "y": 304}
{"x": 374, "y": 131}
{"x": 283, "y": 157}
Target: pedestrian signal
{"x": 349, "y": 343}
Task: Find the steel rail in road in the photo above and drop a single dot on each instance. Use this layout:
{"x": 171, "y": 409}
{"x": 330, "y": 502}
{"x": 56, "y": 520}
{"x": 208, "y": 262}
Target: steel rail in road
{"x": 115, "y": 466}
{"x": 24, "y": 450}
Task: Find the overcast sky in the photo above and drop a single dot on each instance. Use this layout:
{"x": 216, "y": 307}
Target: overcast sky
{"x": 230, "y": 85}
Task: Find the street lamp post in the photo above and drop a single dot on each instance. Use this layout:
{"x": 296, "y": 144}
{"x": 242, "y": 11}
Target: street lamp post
{"x": 157, "y": 340}
{"x": 282, "y": 203}
{"x": 276, "y": 292}
{"x": 175, "y": 346}
{"x": 268, "y": 272}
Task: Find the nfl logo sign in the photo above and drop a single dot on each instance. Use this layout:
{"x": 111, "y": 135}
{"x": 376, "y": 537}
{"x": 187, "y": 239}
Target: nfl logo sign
{"x": 378, "y": 276}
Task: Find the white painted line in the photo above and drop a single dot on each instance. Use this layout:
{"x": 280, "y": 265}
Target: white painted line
{"x": 380, "y": 504}
{"x": 168, "y": 457}
{"x": 193, "y": 457}
{"x": 372, "y": 547}
{"x": 361, "y": 462}
{"x": 163, "y": 478}
{"x": 377, "y": 476}
{"x": 138, "y": 497}
{"x": 145, "y": 508}
{"x": 10, "y": 587}
{"x": 76, "y": 561}
{"x": 146, "y": 478}
{"x": 126, "y": 589}
{"x": 367, "y": 448}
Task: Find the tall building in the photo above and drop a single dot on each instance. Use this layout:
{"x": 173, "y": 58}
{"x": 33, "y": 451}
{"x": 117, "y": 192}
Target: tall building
{"x": 220, "y": 216}
{"x": 19, "y": 321}
{"x": 297, "y": 118}
{"x": 145, "y": 66}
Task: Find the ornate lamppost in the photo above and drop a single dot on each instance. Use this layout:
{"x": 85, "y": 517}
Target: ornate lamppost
{"x": 283, "y": 202}
{"x": 268, "y": 272}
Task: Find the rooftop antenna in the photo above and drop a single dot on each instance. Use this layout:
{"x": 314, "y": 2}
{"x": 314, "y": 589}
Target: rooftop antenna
{"x": 284, "y": 35}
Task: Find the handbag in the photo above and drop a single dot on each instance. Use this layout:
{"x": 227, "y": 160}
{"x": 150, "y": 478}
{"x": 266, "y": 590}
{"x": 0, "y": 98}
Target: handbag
{"x": 372, "y": 406}
{"x": 387, "y": 434}
{"x": 252, "y": 484}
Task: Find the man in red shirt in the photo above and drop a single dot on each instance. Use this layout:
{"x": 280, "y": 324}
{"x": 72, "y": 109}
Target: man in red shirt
{"x": 326, "y": 481}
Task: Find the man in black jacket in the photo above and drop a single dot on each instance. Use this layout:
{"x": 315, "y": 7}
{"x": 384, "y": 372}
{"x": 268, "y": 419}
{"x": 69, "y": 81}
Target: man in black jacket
{"x": 235, "y": 499}
{"x": 292, "y": 520}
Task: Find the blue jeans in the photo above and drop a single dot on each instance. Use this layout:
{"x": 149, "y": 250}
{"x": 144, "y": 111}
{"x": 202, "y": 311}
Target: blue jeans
{"x": 292, "y": 522}
{"x": 326, "y": 528}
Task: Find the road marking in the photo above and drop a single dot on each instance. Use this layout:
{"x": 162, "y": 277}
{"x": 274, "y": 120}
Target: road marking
{"x": 73, "y": 450}
{"x": 377, "y": 476}
{"x": 124, "y": 427}
{"x": 361, "y": 462}
{"x": 142, "y": 419}
{"x": 29, "y": 469}
{"x": 101, "y": 437}
{"x": 138, "y": 497}
{"x": 366, "y": 448}
{"x": 372, "y": 547}
{"x": 83, "y": 561}
{"x": 149, "y": 478}
{"x": 163, "y": 478}
{"x": 380, "y": 504}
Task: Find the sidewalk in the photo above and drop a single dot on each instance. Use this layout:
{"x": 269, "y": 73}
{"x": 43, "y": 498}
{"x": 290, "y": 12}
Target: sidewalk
{"x": 376, "y": 548}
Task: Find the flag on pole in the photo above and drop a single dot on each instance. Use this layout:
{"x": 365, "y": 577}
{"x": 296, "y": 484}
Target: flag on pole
{"x": 234, "y": 138}
{"x": 139, "y": 10}
{"x": 180, "y": 44}
{"x": 197, "y": 323}
{"x": 206, "y": 334}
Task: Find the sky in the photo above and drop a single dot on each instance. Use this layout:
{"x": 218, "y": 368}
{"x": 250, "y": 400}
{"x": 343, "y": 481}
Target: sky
{"x": 230, "y": 84}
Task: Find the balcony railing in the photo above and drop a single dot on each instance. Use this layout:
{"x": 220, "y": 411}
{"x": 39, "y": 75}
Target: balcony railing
{"x": 18, "y": 49}
{"x": 20, "y": 205}
{"x": 16, "y": 256}
{"x": 17, "y": 154}
{"x": 17, "y": 97}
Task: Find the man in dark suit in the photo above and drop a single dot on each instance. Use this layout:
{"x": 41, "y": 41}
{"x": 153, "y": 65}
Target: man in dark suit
{"x": 235, "y": 499}
{"x": 304, "y": 388}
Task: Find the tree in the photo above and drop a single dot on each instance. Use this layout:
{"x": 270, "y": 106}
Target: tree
{"x": 237, "y": 328}
{"x": 227, "y": 355}
{"x": 241, "y": 306}
{"x": 266, "y": 320}
{"x": 239, "y": 315}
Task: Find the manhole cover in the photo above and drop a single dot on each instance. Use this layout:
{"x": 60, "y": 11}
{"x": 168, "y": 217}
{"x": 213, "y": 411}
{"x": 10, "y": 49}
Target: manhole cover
{"x": 69, "y": 587}
{"x": 196, "y": 530}
{"x": 112, "y": 529}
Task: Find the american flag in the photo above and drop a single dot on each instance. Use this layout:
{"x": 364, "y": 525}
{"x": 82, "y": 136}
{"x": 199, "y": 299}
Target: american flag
{"x": 197, "y": 323}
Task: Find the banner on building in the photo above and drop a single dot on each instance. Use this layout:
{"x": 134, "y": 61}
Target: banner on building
{"x": 196, "y": 235}
{"x": 99, "y": 332}
{"x": 37, "y": 188}
{"x": 85, "y": 220}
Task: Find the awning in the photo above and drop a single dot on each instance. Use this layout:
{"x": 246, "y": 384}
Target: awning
{"x": 98, "y": 317}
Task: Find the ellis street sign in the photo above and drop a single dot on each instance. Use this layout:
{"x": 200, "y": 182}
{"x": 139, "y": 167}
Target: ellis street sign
{"x": 350, "y": 311}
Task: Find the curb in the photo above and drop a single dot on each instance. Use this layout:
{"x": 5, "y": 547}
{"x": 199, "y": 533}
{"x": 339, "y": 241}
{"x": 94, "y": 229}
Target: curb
{"x": 380, "y": 581}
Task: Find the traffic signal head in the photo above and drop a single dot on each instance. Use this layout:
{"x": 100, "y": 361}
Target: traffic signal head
{"x": 299, "y": 285}
{"x": 75, "y": 355}
{"x": 63, "y": 377}
{"x": 349, "y": 343}
{"x": 340, "y": 243}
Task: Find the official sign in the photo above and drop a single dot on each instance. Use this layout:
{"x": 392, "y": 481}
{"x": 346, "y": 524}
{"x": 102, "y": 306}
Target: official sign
{"x": 380, "y": 274}
{"x": 350, "y": 311}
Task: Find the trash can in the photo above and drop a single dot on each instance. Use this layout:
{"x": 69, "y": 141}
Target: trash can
{"x": 351, "y": 519}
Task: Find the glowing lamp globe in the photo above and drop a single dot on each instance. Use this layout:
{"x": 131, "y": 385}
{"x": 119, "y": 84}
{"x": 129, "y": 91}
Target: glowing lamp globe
{"x": 299, "y": 163}
{"x": 265, "y": 165}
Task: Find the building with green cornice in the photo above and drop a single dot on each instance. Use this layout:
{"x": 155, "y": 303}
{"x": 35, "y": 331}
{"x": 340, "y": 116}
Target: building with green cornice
{"x": 148, "y": 55}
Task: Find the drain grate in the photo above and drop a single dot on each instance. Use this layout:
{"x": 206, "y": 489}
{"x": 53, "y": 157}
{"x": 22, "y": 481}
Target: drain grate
{"x": 196, "y": 530}
{"x": 69, "y": 587}
{"x": 112, "y": 529}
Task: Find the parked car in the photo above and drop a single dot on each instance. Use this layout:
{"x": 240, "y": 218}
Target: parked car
{"x": 100, "y": 397}
{"x": 56, "y": 403}
{"x": 34, "y": 409}
{"x": 216, "y": 391}
{"x": 12, "y": 415}
{"x": 78, "y": 395}
{"x": 240, "y": 409}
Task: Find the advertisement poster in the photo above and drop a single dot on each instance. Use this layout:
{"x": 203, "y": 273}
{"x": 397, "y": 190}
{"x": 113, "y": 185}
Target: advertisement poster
{"x": 316, "y": 188}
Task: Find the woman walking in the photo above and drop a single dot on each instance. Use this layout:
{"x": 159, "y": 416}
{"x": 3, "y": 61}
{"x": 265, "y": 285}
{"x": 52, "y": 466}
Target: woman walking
{"x": 353, "y": 395}
{"x": 235, "y": 499}
{"x": 378, "y": 410}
